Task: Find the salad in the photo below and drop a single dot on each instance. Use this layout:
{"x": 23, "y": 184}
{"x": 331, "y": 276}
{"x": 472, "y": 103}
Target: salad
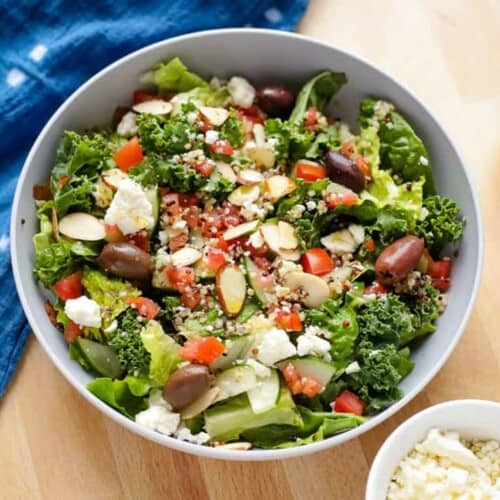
{"x": 236, "y": 266}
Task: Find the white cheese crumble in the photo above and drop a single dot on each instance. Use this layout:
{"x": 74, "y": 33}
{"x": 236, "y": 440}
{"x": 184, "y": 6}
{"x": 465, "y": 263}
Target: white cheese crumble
{"x": 308, "y": 343}
{"x": 83, "y": 311}
{"x": 211, "y": 136}
{"x": 445, "y": 467}
{"x": 130, "y": 209}
{"x": 275, "y": 346}
{"x": 184, "y": 434}
{"x": 159, "y": 416}
{"x": 260, "y": 370}
{"x": 241, "y": 92}
{"x": 127, "y": 125}
{"x": 352, "y": 368}
{"x": 423, "y": 160}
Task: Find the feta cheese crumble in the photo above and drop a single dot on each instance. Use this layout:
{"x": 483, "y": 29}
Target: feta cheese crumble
{"x": 260, "y": 370}
{"x": 274, "y": 347}
{"x": 83, "y": 311}
{"x": 130, "y": 209}
{"x": 309, "y": 343}
{"x": 242, "y": 93}
{"x": 159, "y": 416}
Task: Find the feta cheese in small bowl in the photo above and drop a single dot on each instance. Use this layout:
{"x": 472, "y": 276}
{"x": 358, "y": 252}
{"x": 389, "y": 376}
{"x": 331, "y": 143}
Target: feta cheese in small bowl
{"x": 451, "y": 450}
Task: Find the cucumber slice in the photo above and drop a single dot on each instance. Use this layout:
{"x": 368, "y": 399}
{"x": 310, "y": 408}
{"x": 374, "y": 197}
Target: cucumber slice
{"x": 264, "y": 395}
{"x": 234, "y": 347}
{"x": 312, "y": 366}
{"x": 153, "y": 195}
{"x": 235, "y": 381}
{"x": 252, "y": 271}
{"x": 100, "y": 358}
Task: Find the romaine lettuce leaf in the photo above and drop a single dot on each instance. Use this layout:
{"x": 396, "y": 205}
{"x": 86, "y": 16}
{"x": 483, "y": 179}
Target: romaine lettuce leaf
{"x": 173, "y": 76}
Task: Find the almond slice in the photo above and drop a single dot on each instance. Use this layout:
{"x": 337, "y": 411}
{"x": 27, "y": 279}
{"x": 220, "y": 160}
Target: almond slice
{"x": 153, "y": 107}
{"x": 216, "y": 116}
{"x": 82, "y": 226}
{"x": 113, "y": 177}
{"x": 261, "y": 155}
{"x": 244, "y": 195}
{"x": 249, "y": 177}
{"x": 239, "y": 446}
{"x": 240, "y": 230}
{"x": 340, "y": 242}
{"x": 55, "y": 224}
{"x": 315, "y": 289}
{"x": 201, "y": 404}
{"x": 231, "y": 287}
{"x": 292, "y": 255}
{"x": 278, "y": 186}
{"x": 288, "y": 239}
{"x": 271, "y": 235}
{"x": 186, "y": 256}
{"x": 225, "y": 170}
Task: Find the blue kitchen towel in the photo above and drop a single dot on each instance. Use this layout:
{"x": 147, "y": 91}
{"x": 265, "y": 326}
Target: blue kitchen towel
{"x": 47, "y": 49}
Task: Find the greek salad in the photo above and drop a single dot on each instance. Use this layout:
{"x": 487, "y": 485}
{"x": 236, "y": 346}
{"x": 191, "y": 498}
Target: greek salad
{"x": 236, "y": 266}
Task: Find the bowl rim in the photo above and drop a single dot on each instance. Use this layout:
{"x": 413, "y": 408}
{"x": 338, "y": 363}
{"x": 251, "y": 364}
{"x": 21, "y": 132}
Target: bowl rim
{"x": 214, "y": 452}
{"x": 394, "y": 438}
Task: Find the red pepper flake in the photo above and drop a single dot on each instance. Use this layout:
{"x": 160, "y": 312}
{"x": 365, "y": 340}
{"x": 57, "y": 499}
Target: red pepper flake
{"x": 346, "y": 323}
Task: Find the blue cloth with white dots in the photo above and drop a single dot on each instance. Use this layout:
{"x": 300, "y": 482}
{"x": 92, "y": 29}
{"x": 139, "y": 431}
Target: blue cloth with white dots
{"x": 48, "y": 49}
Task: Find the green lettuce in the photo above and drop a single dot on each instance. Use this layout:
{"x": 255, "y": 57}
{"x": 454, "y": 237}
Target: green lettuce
{"x": 173, "y": 76}
{"x": 232, "y": 130}
{"x": 53, "y": 263}
{"x": 290, "y": 140}
{"x": 164, "y": 353}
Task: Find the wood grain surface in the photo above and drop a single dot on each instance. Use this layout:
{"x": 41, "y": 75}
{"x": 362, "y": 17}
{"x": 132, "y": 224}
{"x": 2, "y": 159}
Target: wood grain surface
{"x": 54, "y": 445}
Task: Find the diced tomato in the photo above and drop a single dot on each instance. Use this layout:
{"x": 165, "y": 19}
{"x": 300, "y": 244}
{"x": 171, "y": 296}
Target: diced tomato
{"x": 311, "y": 117}
{"x": 290, "y": 321}
{"x": 222, "y": 244}
{"x": 309, "y": 171}
{"x": 252, "y": 114}
{"x": 442, "y": 284}
{"x": 129, "y": 155}
{"x": 69, "y": 287}
{"x": 188, "y": 200}
{"x": 145, "y": 307}
{"x": 369, "y": 244}
{"x": 180, "y": 277}
{"x": 192, "y": 298}
{"x": 362, "y": 164}
{"x": 215, "y": 259}
{"x": 317, "y": 261}
{"x": 51, "y": 313}
{"x": 171, "y": 205}
{"x": 204, "y": 350}
{"x": 347, "y": 148}
{"x": 141, "y": 96}
{"x": 348, "y": 402}
{"x": 72, "y": 331}
{"x": 140, "y": 240}
{"x": 347, "y": 199}
{"x": 179, "y": 241}
{"x": 205, "y": 168}
{"x": 439, "y": 268}
{"x": 63, "y": 180}
{"x": 192, "y": 217}
{"x": 375, "y": 288}
{"x": 256, "y": 251}
{"x": 298, "y": 384}
{"x": 311, "y": 387}
{"x": 222, "y": 147}
{"x": 113, "y": 233}
{"x": 216, "y": 220}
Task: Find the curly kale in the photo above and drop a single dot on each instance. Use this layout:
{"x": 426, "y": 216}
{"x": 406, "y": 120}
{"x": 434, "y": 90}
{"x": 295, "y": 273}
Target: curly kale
{"x": 232, "y": 130}
{"x": 392, "y": 223}
{"x": 425, "y": 310}
{"x": 128, "y": 344}
{"x": 441, "y": 225}
{"x": 290, "y": 141}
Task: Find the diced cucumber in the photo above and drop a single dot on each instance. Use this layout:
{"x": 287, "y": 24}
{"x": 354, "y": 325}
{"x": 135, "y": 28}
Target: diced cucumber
{"x": 264, "y": 395}
{"x": 153, "y": 195}
{"x": 312, "y": 366}
{"x": 234, "y": 347}
{"x": 100, "y": 358}
{"x": 234, "y": 381}
{"x": 252, "y": 271}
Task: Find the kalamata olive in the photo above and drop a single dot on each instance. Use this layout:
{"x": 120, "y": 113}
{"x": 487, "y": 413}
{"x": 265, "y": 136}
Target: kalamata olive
{"x": 42, "y": 192}
{"x": 276, "y": 100}
{"x": 343, "y": 171}
{"x": 126, "y": 261}
{"x": 398, "y": 259}
{"x": 186, "y": 385}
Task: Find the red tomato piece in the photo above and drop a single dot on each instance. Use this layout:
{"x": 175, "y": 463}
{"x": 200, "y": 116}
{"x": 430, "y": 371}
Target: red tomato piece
{"x": 145, "y": 307}
{"x": 204, "y": 350}
{"x": 188, "y": 200}
{"x": 191, "y": 299}
{"x": 252, "y": 114}
{"x": 72, "y": 331}
{"x": 129, "y": 155}
{"x": 290, "y": 321}
{"x": 369, "y": 244}
{"x": 113, "y": 233}
{"x": 292, "y": 378}
{"x": 205, "y": 168}
{"x": 311, "y": 117}
{"x": 140, "y": 240}
{"x": 442, "y": 284}
{"x": 256, "y": 251}
{"x": 309, "y": 171}
{"x": 348, "y": 200}
{"x": 192, "y": 217}
{"x": 222, "y": 147}
{"x": 141, "y": 96}
{"x": 222, "y": 244}
{"x": 180, "y": 278}
{"x": 375, "y": 288}
{"x": 179, "y": 241}
{"x": 348, "y": 402}
{"x": 362, "y": 164}
{"x": 317, "y": 261}
{"x": 215, "y": 259}
{"x": 439, "y": 268}
{"x": 69, "y": 287}
{"x": 311, "y": 387}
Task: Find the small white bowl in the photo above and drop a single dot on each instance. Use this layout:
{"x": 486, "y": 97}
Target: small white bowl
{"x": 471, "y": 418}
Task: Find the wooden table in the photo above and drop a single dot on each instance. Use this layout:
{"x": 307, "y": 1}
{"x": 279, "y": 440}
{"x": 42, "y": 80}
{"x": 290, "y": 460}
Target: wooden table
{"x": 54, "y": 445}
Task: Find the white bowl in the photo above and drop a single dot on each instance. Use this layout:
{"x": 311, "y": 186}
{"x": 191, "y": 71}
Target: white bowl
{"x": 263, "y": 56}
{"x": 471, "y": 418}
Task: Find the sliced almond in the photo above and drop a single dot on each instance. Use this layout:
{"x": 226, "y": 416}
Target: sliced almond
{"x": 244, "y": 195}
{"x": 153, "y": 107}
{"x": 261, "y": 155}
{"x": 55, "y": 224}
{"x": 127, "y": 125}
{"x": 260, "y": 134}
{"x": 113, "y": 177}
{"x": 292, "y": 255}
{"x": 288, "y": 238}
{"x": 240, "y": 230}
{"x": 231, "y": 287}
{"x": 225, "y": 170}
{"x": 201, "y": 404}
{"x": 82, "y": 226}
{"x": 340, "y": 242}
{"x": 315, "y": 289}
{"x": 216, "y": 116}
{"x": 358, "y": 233}
{"x": 240, "y": 446}
{"x": 271, "y": 235}
{"x": 186, "y": 256}
{"x": 278, "y": 186}
{"x": 250, "y": 177}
